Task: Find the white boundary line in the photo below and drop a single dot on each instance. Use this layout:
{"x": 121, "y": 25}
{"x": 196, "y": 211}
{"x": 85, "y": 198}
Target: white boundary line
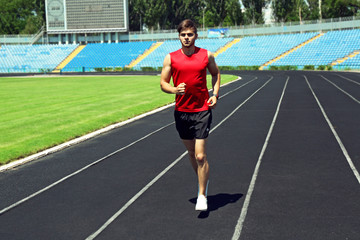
{"x": 350, "y": 80}
{"x": 97, "y": 161}
{"x": 78, "y": 140}
{"x": 353, "y": 98}
{"x": 134, "y": 198}
{"x": 348, "y": 158}
{"x": 152, "y": 182}
{"x": 78, "y": 171}
{"x": 239, "y": 225}
{"x": 86, "y": 137}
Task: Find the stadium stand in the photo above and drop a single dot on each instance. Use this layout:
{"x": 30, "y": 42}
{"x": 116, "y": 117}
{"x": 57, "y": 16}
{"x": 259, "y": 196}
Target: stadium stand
{"x": 69, "y": 58}
{"x": 156, "y": 58}
{"x": 350, "y": 61}
{"x": 337, "y": 48}
{"x": 146, "y": 53}
{"x": 211, "y": 45}
{"x": 32, "y": 58}
{"x": 257, "y": 50}
{"x": 97, "y": 55}
{"x": 289, "y": 51}
{"x": 324, "y": 50}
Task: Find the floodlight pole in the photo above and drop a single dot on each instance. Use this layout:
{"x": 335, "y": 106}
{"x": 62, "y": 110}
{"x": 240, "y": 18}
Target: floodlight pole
{"x": 320, "y": 17}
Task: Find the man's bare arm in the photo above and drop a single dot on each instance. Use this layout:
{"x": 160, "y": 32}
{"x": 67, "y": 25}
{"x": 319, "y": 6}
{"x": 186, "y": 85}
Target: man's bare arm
{"x": 165, "y": 79}
{"x": 215, "y": 78}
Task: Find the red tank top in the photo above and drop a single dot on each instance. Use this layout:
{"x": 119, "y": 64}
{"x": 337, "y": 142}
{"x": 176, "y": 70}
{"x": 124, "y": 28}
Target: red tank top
{"x": 190, "y": 70}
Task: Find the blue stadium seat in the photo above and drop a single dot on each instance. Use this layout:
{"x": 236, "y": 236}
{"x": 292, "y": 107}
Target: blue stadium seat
{"x": 33, "y": 58}
{"x": 250, "y": 51}
{"x": 97, "y": 55}
{"x": 257, "y": 50}
{"x": 324, "y": 50}
{"x": 156, "y": 58}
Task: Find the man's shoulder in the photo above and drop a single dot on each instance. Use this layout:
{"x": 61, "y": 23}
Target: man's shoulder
{"x": 175, "y": 52}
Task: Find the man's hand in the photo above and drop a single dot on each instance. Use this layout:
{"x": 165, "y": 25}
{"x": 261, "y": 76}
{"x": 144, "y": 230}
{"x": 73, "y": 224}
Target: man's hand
{"x": 180, "y": 89}
{"x": 212, "y": 102}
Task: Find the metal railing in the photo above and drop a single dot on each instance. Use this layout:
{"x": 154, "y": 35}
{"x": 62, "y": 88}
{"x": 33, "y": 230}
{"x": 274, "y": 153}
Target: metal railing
{"x": 234, "y": 31}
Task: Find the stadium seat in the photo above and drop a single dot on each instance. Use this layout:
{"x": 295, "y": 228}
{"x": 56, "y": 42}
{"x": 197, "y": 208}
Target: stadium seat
{"x": 33, "y": 58}
{"x": 324, "y": 50}
{"x": 249, "y": 51}
{"x": 99, "y": 55}
{"x": 156, "y": 58}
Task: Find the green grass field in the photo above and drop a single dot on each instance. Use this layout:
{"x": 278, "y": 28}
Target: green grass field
{"x": 40, "y": 112}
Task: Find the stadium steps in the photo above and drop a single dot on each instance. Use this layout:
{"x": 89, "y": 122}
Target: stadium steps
{"x": 144, "y": 55}
{"x": 290, "y": 51}
{"x": 71, "y": 56}
{"x": 340, "y": 60}
{"x": 227, "y": 46}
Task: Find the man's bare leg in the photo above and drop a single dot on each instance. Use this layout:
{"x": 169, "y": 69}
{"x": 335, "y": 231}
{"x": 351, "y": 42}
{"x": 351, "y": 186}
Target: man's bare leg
{"x": 197, "y": 154}
{"x": 190, "y": 146}
{"x": 203, "y": 165}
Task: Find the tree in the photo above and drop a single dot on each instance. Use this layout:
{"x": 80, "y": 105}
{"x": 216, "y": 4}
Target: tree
{"x": 313, "y": 7}
{"x": 234, "y": 14}
{"x": 168, "y": 14}
{"x": 224, "y": 12}
{"x": 21, "y": 16}
{"x": 253, "y": 11}
{"x": 156, "y": 14}
{"x": 339, "y": 8}
{"x": 188, "y": 9}
{"x": 215, "y": 12}
{"x": 290, "y": 10}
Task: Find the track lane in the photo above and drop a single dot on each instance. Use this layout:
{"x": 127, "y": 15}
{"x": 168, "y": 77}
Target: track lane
{"x": 67, "y": 211}
{"x": 22, "y": 181}
{"x": 305, "y": 188}
{"x": 343, "y": 112}
{"x": 168, "y": 195}
{"x": 348, "y": 88}
{"x": 62, "y": 198}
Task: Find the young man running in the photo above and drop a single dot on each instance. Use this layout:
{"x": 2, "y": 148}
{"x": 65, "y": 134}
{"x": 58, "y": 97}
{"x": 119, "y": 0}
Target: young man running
{"x": 187, "y": 67}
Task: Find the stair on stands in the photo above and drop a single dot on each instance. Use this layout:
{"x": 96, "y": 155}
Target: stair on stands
{"x": 340, "y": 60}
{"x": 227, "y": 46}
{"x": 71, "y": 56}
{"x": 145, "y": 54}
{"x": 290, "y": 51}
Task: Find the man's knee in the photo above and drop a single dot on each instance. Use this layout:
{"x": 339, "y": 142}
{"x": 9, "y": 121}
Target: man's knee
{"x": 201, "y": 158}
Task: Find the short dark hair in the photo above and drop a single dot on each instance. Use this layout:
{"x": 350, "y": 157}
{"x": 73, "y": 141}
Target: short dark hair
{"x": 187, "y": 24}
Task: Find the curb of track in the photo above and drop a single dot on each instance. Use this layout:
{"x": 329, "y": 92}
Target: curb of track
{"x": 85, "y": 137}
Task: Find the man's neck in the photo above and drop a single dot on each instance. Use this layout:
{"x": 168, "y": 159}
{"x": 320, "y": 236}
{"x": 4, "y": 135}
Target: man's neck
{"x": 188, "y": 51}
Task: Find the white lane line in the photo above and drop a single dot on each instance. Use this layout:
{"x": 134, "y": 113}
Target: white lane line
{"x": 348, "y": 158}
{"x": 152, "y": 182}
{"x": 134, "y": 198}
{"x": 88, "y": 136}
{"x": 353, "y": 98}
{"x": 80, "y": 170}
{"x": 350, "y": 80}
{"x": 239, "y": 225}
{"x": 78, "y": 140}
{"x": 93, "y": 163}
{"x": 235, "y": 89}
{"x": 237, "y": 108}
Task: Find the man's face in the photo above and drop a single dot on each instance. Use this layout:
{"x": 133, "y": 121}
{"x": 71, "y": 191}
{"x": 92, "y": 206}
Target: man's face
{"x": 187, "y": 37}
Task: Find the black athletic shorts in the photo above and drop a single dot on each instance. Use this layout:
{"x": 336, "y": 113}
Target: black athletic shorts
{"x": 193, "y": 125}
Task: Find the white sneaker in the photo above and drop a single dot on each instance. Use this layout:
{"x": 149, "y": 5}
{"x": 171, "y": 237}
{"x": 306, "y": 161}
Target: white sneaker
{"x": 201, "y": 203}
